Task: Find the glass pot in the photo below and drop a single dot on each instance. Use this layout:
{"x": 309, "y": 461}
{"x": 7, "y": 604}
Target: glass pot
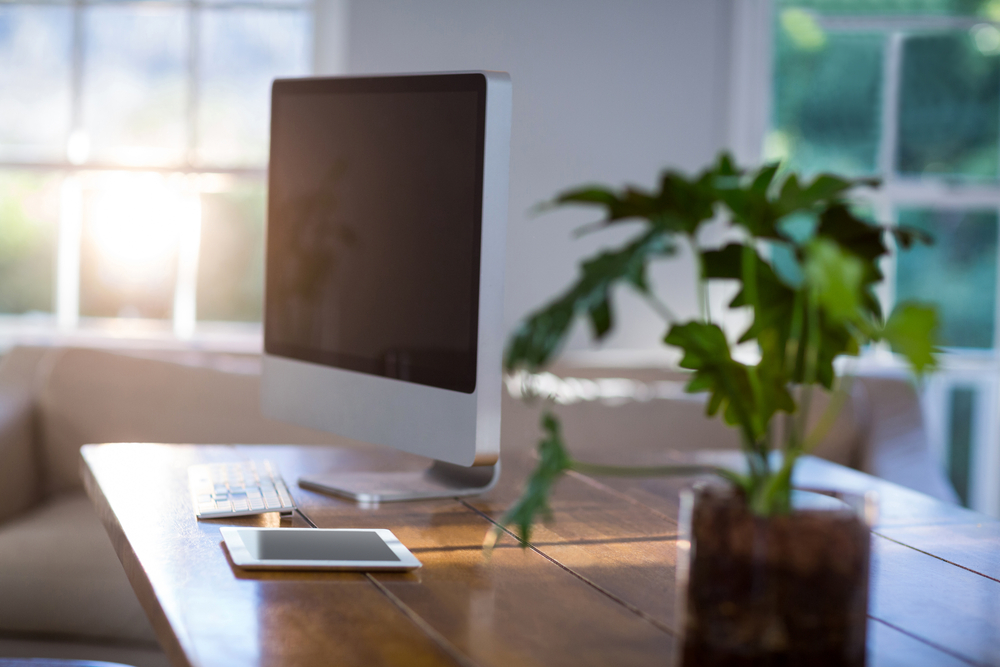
{"x": 781, "y": 590}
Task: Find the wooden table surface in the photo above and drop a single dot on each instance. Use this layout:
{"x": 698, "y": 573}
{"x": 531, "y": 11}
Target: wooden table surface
{"x": 595, "y": 588}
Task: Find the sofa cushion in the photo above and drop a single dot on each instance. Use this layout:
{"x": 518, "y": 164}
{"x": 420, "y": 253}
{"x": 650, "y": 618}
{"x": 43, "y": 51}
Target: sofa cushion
{"x": 60, "y": 575}
{"x": 95, "y": 396}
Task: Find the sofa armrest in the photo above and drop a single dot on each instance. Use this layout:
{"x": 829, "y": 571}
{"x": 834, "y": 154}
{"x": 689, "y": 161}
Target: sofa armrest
{"x": 897, "y": 449}
{"x": 20, "y": 457}
{"x": 19, "y": 486}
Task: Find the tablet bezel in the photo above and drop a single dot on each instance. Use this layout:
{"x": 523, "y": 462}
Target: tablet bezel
{"x": 242, "y": 557}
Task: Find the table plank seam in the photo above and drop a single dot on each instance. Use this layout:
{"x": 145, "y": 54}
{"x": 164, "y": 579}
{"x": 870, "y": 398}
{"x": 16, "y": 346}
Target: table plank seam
{"x": 590, "y": 481}
{"x": 632, "y": 608}
{"x": 453, "y": 651}
{"x": 943, "y": 560}
{"x": 943, "y": 649}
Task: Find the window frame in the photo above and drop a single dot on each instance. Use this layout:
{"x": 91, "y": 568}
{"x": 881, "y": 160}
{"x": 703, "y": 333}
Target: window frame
{"x": 977, "y": 368}
{"x": 67, "y": 322}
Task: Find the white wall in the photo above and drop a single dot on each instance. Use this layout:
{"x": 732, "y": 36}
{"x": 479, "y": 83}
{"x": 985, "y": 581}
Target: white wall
{"x": 603, "y": 91}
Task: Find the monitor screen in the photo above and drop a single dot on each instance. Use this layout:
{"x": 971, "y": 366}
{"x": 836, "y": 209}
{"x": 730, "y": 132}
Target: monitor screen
{"x": 374, "y": 225}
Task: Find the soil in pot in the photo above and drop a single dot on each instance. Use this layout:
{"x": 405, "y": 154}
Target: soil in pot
{"x": 782, "y": 590}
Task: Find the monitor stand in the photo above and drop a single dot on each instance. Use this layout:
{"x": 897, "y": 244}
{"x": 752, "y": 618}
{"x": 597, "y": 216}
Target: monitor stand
{"x": 441, "y": 480}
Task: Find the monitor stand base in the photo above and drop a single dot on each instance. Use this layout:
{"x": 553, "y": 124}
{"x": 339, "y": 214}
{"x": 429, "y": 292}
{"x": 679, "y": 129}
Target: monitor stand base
{"x": 441, "y": 480}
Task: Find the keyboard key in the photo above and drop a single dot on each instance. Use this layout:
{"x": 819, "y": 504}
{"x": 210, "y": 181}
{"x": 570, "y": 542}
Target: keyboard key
{"x": 237, "y": 489}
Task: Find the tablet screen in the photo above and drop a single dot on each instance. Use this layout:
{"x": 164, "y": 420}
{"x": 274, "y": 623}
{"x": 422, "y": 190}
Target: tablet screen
{"x": 319, "y": 545}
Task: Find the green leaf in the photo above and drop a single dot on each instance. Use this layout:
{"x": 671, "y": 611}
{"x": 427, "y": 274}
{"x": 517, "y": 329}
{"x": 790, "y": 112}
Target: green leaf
{"x": 537, "y": 339}
{"x": 773, "y": 315}
{"x": 836, "y": 277}
{"x": 760, "y": 213}
{"x": 786, "y": 265}
{"x": 911, "y": 331}
{"x": 762, "y": 180}
{"x": 706, "y": 352}
{"x": 907, "y": 236}
{"x": 724, "y": 166}
{"x": 798, "y": 227}
{"x": 852, "y": 233}
{"x": 747, "y": 396}
{"x": 591, "y": 194}
{"x": 600, "y": 317}
{"x": 826, "y": 187}
{"x": 533, "y": 503}
{"x": 631, "y": 203}
{"x": 726, "y": 263}
{"x": 680, "y": 205}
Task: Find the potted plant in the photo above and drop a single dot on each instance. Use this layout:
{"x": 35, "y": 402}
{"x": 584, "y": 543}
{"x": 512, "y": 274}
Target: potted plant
{"x": 766, "y": 581}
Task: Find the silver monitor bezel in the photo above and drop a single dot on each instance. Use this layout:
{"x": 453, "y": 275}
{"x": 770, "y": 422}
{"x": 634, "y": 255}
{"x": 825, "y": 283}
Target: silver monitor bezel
{"x": 452, "y": 426}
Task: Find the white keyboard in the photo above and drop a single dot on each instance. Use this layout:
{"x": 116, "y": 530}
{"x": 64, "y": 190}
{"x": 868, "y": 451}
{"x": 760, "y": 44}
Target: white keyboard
{"x": 238, "y": 489}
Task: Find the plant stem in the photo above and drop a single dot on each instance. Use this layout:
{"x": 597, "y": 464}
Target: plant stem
{"x": 811, "y": 361}
{"x": 775, "y": 497}
{"x": 829, "y": 415}
{"x": 703, "y": 307}
{"x": 794, "y": 336}
{"x": 662, "y": 309}
{"x": 750, "y": 277}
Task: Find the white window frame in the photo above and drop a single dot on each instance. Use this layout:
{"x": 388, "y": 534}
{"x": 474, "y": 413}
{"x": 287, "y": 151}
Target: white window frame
{"x": 750, "y": 103}
{"x": 182, "y": 332}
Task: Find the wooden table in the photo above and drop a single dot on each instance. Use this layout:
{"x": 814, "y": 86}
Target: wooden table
{"x": 595, "y": 588}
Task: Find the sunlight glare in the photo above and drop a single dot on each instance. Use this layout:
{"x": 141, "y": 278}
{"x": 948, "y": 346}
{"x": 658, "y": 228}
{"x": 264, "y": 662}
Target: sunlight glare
{"x": 135, "y": 224}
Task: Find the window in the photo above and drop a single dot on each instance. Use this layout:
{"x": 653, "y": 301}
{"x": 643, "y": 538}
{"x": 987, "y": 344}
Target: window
{"x": 909, "y": 91}
{"x": 133, "y": 149}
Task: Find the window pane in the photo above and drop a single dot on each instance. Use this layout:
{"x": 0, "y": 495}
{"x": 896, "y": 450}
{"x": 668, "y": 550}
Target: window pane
{"x": 135, "y": 84}
{"x": 961, "y": 419}
{"x": 958, "y": 273}
{"x": 242, "y": 52}
{"x": 29, "y": 211}
{"x": 34, "y": 82}
{"x": 949, "y": 107}
{"x": 128, "y": 261}
{"x": 827, "y": 101}
{"x": 231, "y": 266}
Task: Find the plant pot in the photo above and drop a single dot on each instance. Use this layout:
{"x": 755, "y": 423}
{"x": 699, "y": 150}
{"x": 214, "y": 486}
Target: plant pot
{"x": 782, "y": 590}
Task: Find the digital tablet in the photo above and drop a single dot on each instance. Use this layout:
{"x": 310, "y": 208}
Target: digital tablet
{"x": 317, "y": 549}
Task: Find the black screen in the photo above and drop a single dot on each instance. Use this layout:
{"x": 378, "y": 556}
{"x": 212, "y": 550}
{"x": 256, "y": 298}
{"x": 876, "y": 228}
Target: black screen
{"x": 374, "y": 225}
{"x": 321, "y": 545}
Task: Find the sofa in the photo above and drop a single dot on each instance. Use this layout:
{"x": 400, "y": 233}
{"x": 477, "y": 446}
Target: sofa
{"x": 63, "y": 592}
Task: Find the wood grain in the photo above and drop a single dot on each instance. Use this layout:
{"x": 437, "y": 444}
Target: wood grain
{"x": 975, "y": 546}
{"x": 947, "y": 606}
{"x": 205, "y": 611}
{"x": 518, "y": 606}
{"x": 595, "y": 588}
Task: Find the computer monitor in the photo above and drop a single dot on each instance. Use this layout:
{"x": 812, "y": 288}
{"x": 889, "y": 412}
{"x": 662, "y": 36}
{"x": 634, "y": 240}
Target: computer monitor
{"x": 387, "y": 212}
